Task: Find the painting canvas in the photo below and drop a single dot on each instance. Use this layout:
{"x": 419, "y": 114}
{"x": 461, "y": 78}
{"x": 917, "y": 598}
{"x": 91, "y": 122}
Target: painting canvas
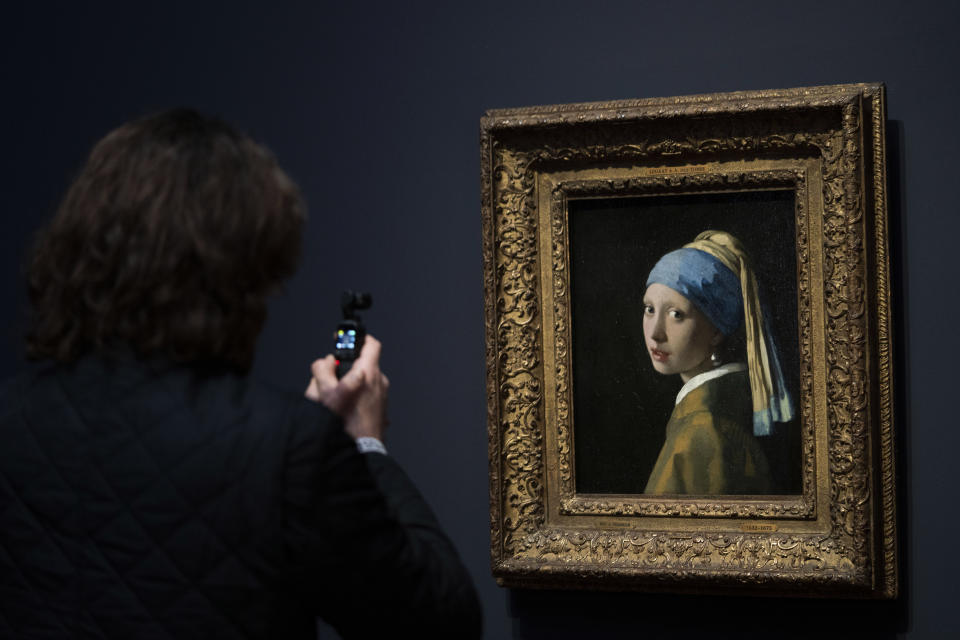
{"x": 621, "y": 403}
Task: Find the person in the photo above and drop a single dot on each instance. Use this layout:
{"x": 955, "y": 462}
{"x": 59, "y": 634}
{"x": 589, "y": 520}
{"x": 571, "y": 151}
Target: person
{"x": 149, "y": 486}
{"x": 699, "y": 300}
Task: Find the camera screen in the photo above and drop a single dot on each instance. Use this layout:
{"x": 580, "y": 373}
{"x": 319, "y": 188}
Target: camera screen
{"x": 346, "y": 339}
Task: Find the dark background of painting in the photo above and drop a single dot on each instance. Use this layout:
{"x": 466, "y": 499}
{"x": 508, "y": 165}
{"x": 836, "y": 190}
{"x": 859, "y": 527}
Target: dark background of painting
{"x": 374, "y": 107}
{"x": 620, "y": 403}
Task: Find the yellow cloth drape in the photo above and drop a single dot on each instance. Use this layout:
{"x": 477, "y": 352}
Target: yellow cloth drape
{"x": 770, "y": 399}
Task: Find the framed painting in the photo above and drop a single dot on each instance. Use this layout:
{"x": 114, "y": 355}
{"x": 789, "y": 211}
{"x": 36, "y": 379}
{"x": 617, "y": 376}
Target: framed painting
{"x": 689, "y": 382}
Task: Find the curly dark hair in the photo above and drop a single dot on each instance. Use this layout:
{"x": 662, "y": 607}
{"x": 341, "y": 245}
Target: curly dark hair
{"x": 168, "y": 242}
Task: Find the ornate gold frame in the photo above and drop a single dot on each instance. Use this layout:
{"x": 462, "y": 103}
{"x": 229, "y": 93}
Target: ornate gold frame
{"x": 826, "y": 144}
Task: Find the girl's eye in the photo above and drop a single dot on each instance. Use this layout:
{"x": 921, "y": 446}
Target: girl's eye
{"x": 648, "y": 309}
{"x": 676, "y": 314}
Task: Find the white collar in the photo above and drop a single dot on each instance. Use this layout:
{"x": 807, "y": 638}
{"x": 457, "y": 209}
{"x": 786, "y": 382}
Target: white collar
{"x": 700, "y": 378}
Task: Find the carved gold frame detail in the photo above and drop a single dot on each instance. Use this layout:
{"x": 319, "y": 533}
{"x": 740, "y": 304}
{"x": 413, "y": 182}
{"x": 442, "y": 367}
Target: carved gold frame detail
{"x": 826, "y": 144}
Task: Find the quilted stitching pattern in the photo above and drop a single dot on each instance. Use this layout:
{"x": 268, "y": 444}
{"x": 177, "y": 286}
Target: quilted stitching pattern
{"x": 152, "y": 504}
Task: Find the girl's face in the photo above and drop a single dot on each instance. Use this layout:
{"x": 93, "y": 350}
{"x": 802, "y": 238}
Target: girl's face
{"x": 679, "y": 338}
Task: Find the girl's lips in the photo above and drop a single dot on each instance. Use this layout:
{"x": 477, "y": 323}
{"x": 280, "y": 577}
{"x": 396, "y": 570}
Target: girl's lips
{"x": 659, "y": 356}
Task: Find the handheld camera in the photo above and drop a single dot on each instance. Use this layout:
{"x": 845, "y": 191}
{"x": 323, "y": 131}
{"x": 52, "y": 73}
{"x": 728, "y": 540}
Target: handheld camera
{"x": 350, "y": 333}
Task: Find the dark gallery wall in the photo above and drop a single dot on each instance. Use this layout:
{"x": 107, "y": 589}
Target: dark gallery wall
{"x": 374, "y": 109}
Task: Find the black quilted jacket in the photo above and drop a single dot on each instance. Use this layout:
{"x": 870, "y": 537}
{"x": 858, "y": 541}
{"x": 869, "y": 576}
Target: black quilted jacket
{"x": 145, "y": 500}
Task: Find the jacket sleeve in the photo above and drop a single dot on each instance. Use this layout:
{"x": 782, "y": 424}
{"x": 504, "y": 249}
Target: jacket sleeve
{"x": 364, "y": 549}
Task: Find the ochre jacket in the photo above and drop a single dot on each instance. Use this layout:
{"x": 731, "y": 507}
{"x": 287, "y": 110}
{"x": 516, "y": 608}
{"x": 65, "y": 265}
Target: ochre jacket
{"x": 710, "y": 448}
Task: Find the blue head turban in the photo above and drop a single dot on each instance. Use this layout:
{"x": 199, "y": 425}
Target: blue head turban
{"x": 704, "y": 281}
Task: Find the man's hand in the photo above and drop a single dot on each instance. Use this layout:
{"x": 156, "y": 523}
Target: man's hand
{"x": 360, "y": 397}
